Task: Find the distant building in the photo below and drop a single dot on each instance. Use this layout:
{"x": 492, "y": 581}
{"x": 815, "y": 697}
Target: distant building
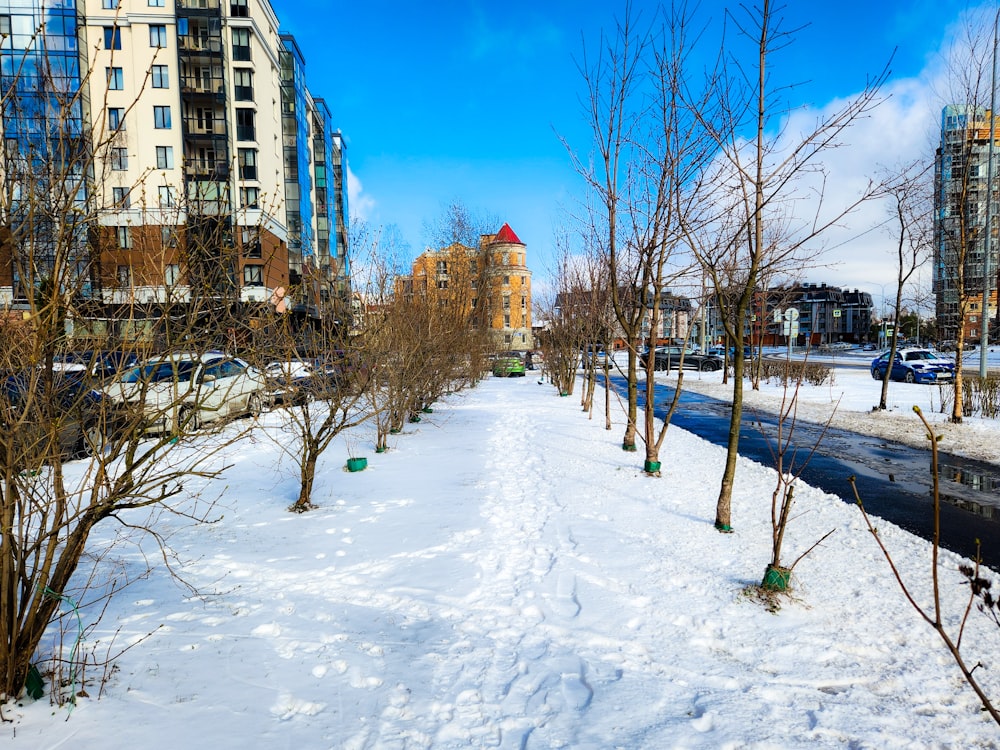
{"x": 824, "y": 315}
{"x": 491, "y": 283}
{"x": 974, "y": 320}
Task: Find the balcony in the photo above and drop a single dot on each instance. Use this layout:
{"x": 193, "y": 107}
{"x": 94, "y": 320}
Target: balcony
{"x": 213, "y": 171}
{"x": 211, "y": 6}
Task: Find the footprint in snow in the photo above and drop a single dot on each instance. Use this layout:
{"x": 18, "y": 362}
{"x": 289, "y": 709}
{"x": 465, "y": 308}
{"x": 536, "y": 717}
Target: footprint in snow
{"x": 576, "y": 691}
{"x": 566, "y": 603}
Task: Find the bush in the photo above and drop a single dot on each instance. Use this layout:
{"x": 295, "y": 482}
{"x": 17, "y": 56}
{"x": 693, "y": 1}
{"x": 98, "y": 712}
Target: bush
{"x": 781, "y": 372}
{"x": 979, "y": 395}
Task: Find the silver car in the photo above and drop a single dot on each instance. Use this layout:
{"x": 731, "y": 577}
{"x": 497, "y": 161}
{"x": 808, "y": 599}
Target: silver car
{"x": 180, "y": 392}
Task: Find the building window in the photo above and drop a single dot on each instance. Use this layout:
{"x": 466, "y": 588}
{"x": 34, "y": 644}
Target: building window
{"x": 245, "y": 129}
{"x": 442, "y": 284}
{"x": 161, "y": 117}
{"x": 506, "y": 302}
{"x": 442, "y": 266}
{"x": 119, "y": 159}
{"x": 164, "y": 157}
{"x": 253, "y": 275}
{"x": 524, "y": 304}
{"x": 250, "y": 197}
{"x": 166, "y": 196}
{"x": 123, "y": 235}
{"x": 206, "y": 119}
{"x": 168, "y": 237}
{"x": 109, "y": 4}
{"x": 121, "y": 198}
{"x": 116, "y": 79}
{"x": 116, "y": 118}
{"x": 112, "y": 37}
{"x": 251, "y": 244}
{"x": 157, "y": 35}
{"x": 506, "y": 280}
{"x": 171, "y": 274}
{"x": 156, "y": 3}
{"x": 248, "y": 163}
{"x": 5, "y": 25}
{"x": 506, "y": 321}
{"x": 241, "y": 45}
{"x": 239, "y": 9}
{"x": 124, "y": 275}
{"x": 243, "y": 84}
{"x": 160, "y": 77}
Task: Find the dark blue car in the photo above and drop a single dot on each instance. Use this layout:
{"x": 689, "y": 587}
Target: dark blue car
{"x": 915, "y": 366}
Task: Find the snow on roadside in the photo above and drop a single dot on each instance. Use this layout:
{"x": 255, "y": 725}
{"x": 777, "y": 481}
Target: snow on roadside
{"x": 848, "y": 403}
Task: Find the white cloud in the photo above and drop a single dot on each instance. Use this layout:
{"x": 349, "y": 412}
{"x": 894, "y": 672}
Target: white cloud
{"x": 361, "y": 204}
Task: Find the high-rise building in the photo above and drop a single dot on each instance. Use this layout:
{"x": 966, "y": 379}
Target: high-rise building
{"x": 210, "y": 171}
{"x": 960, "y": 171}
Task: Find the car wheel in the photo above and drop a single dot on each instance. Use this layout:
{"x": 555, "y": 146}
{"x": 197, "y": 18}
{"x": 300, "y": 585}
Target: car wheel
{"x": 92, "y": 440}
{"x": 708, "y": 367}
{"x": 254, "y": 405}
{"x": 876, "y": 375}
{"x": 909, "y": 377}
{"x": 187, "y": 419}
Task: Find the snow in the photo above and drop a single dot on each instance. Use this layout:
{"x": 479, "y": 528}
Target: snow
{"x": 506, "y": 576}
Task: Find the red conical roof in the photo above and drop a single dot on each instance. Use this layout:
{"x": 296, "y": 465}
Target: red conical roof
{"x": 506, "y": 235}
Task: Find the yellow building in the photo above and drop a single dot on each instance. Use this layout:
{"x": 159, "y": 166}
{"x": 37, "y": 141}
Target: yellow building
{"x": 491, "y": 284}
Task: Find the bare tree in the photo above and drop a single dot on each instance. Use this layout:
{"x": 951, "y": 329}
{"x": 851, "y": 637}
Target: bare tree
{"x": 615, "y": 110}
{"x": 315, "y": 370}
{"x": 651, "y": 149}
{"x": 64, "y": 262}
{"x": 912, "y": 214}
{"x": 962, "y": 198}
{"x": 935, "y": 615}
{"x": 763, "y": 181}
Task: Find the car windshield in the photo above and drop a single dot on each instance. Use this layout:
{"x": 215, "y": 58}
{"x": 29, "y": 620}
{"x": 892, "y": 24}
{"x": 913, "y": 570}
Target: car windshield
{"x": 911, "y": 356}
{"x": 158, "y": 372}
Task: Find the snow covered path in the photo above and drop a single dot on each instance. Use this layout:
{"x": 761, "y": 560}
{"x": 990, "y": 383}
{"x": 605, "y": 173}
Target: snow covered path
{"x": 506, "y": 577}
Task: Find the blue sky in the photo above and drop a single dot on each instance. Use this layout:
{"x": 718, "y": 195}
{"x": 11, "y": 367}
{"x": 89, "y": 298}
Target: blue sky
{"x": 467, "y": 99}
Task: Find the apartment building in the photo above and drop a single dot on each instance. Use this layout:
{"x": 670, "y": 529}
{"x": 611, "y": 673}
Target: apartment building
{"x": 824, "y": 315}
{"x": 960, "y": 210}
{"x": 492, "y": 283}
{"x": 211, "y": 172}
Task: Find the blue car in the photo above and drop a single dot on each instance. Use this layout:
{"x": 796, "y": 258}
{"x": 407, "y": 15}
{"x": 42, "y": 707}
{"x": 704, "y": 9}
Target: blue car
{"x": 915, "y": 366}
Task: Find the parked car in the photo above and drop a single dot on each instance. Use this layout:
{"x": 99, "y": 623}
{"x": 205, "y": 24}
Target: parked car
{"x": 914, "y": 365}
{"x": 593, "y": 356}
{"x": 299, "y": 380}
{"x": 180, "y": 392}
{"x": 669, "y": 358}
{"x": 73, "y": 404}
{"x": 508, "y": 366}
{"x": 100, "y": 364}
{"x": 720, "y": 351}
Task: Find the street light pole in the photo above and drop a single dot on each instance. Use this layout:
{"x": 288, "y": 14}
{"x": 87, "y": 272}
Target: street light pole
{"x": 987, "y": 281}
